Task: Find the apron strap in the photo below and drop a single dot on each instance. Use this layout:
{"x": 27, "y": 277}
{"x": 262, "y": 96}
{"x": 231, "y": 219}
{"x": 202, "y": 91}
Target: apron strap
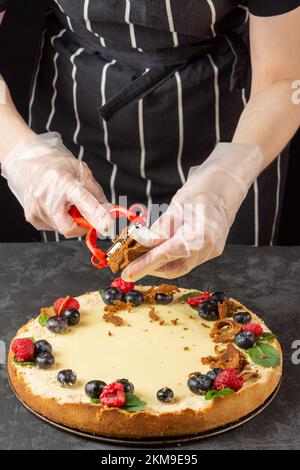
{"x": 139, "y": 88}
{"x": 156, "y": 76}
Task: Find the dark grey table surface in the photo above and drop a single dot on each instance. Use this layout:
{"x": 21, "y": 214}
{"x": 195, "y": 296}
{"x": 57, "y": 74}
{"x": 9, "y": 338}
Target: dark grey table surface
{"x": 265, "y": 279}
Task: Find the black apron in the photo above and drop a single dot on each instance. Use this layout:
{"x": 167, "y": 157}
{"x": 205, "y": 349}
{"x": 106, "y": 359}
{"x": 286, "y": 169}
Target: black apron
{"x": 142, "y": 90}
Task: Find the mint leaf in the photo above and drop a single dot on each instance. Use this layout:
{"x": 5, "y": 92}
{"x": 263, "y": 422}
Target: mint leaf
{"x": 264, "y": 355}
{"x": 100, "y": 291}
{"x": 25, "y": 363}
{"x": 184, "y": 297}
{"x": 32, "y": 339}
{"x": 266, "y": 337}
{"x": 133, "y": 403}
{"x": 132, "y": 400}
{"x": 133, "y": 409}
{"x": 218, "y": 393}
{"x": 43, "y": 318}
{"x": 96, "y": 401}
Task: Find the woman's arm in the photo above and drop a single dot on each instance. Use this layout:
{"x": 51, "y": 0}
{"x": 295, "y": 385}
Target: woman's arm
{"x": 33, "y": 165}
{"x": 270, "y": 118}
{"x": 194, "y": 228}
{"x": 2, "y": 9}
{"x": 13, "y": 127}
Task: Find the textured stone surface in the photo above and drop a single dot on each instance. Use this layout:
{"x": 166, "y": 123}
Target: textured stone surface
{"x": 265, "y": 279}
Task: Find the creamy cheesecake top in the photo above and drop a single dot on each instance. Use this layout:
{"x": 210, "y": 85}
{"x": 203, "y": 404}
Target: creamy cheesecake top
{"x": 151, "y": 354}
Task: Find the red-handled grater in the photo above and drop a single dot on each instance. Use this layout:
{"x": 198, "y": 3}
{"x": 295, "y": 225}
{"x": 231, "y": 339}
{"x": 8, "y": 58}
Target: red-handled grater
{"x": 137, "y": 215}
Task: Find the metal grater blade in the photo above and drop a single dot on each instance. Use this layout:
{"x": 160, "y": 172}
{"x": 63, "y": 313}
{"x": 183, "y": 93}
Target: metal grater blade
{"x": 132, "y": 227}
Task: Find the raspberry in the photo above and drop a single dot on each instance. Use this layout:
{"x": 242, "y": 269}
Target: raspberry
{"x": 122, "y": 285}
{"x": 113, "y": 395}
{"x": 254, "y": 328}
{"x": 65, "y": 303}
{"x": 229, "y": 378}
{"x": 23, "y": 349}
{"x": 196, "y": 300}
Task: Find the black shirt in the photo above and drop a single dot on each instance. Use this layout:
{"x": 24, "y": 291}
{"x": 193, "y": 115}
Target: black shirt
{"x": 256, "y": 7}
{"x": 271, "y": 7}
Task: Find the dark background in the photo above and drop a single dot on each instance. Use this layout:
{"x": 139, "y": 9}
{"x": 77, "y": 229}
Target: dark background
{"x": 19, "y": 40}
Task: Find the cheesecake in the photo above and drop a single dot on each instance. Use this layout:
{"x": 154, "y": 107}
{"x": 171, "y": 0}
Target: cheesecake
{"x": 144, "y": 361}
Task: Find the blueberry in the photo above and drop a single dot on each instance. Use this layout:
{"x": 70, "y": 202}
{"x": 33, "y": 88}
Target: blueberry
{"x": 57, "y": 324}
{"x": 135, "y": 297}
{"x": 110, "y": 294}
{"x": 213, "y": 373}
{"x": 208, "y": 310}
{"x": 165, "y": 394}
{"x": 128, "y": 386}
{"x": 44, "y": 360}
{"x": 67, "y": 377}
{"x": 164, "y": 298}
{"x": 199, "y": 383}
{"x": 42, "y": 346}
{"x": 218, "y": 297}
{"x": 242, "y": 317}
{"x": 72, "y": 316}
{"x": 94, "y": 388}
{"x": 245, "y": 339}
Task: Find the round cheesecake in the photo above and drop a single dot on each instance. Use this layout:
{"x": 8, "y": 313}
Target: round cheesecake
{"x": 153, "y": 346}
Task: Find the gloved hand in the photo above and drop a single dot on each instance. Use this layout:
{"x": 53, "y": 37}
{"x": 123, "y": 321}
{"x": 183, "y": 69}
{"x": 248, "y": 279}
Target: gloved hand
{"x": 195, "y": 226}
{"x": 47, "y": 179}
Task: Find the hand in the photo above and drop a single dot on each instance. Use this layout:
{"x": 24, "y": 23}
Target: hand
{"x": 46, "y": 179}
{"x": 195, "y": 227}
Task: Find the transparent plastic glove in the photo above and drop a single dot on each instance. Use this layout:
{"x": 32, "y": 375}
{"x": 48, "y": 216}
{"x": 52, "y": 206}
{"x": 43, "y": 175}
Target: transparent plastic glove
{"x": 47, "y": 179}
{"x": 195, "y": 226}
